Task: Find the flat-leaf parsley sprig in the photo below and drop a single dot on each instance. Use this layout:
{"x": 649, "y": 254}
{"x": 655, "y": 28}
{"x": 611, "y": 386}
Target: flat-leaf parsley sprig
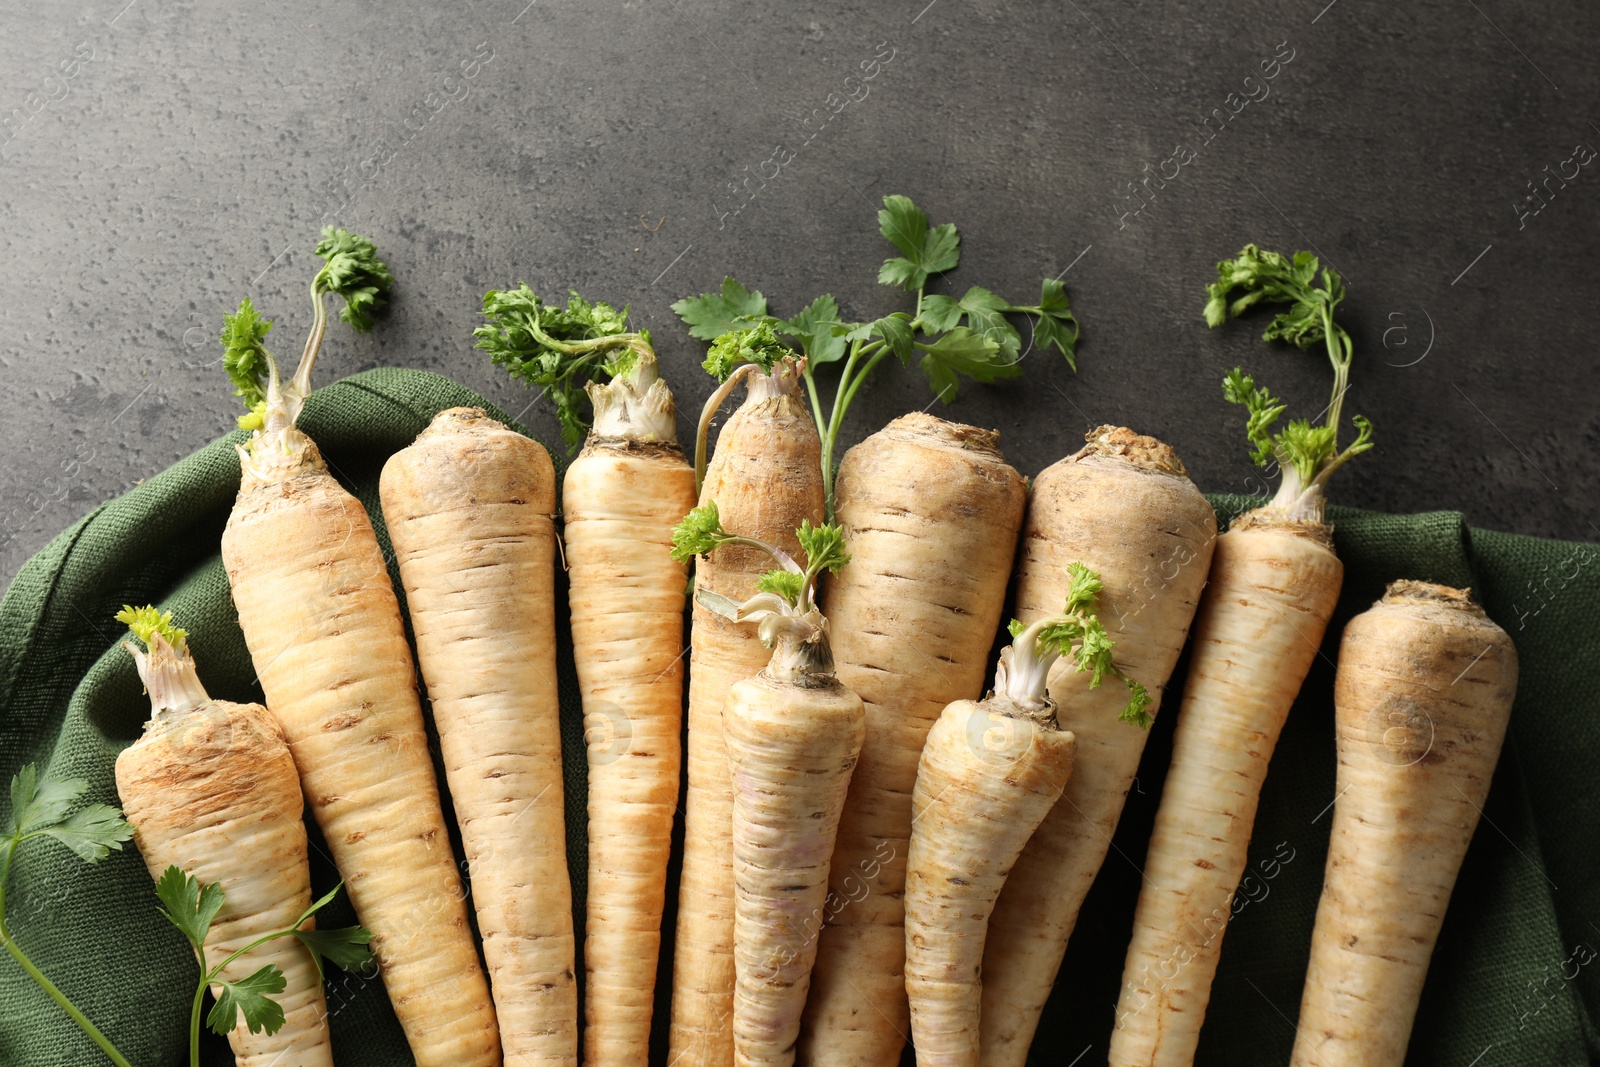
{"x": 951, "y": 338}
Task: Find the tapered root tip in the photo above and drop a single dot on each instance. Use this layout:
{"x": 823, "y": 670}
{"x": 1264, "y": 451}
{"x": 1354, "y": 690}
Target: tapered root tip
{"x": 1406, "y": 591}
{"x": 1121, "y": 442}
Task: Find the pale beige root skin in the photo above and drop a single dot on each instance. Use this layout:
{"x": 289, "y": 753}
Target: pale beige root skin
{"x": 213, "y": 790}
{"x": 766, "y": 476}
{"x": 985, "y": 782}
{"x": 323, "y": 627}
{"x": 621, "y": 501}
{"x": 791, "y": 751}
{"x": 1125, "y": 508}
{"x": 931, "y": 512}
{"x": 1422, "y": 698}
{"x": 470, "y": 506}
{"x": 1273, "y": 589}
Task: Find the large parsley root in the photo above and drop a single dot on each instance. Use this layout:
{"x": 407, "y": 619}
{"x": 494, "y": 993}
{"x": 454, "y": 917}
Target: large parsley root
{"x": 210, "y": 788}
{"x": 1125, "y": 507}
{"x": 1274, "y": 584}
{"x": 766, "y": 478}
{"x": 1421, "y": 701}
{"x": 324, "y": 630}
{"x": 470, "y": 508}
{"x": 931, "y": 511}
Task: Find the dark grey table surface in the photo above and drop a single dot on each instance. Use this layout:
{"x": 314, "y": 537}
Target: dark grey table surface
{"x": 159, "y": 161}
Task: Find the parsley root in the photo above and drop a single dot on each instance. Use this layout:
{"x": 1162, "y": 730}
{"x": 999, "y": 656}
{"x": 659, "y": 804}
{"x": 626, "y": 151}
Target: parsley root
{"x": 990, "y": 773}
{"x": 793, "y": 733}
{"x": 470, "y": 508}
{"x": 1125, "y": 507}
{"x": 931, "y": 511}
{"x": 1274, "y": 583}
{"x": 323, "y": 626}
{"x": 210, "y": 789}
{"x": 1421, "y": 701}
{"x": 767, "y": 479}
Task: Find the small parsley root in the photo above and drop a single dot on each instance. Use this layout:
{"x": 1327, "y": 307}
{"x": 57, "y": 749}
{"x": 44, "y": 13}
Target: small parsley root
{"x": 323, "y": 626}
{"x": 621, "y": 498}
{"x": 989, "y": 774}
{"x": 793, "y": 734}
{"x": 1422, "y": 698}
{"x": 1123, "y": 506}
{"x": 931, "y": 510}
{"x": 212, "y": 794}
{"x": 1274, "y": 583}
{"x": 767, "y": 480}
{"x": 470, "y": 508}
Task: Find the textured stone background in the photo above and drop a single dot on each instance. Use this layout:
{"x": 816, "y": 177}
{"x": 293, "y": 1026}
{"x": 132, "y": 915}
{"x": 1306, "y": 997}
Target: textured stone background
{"x": 158, "y": 161}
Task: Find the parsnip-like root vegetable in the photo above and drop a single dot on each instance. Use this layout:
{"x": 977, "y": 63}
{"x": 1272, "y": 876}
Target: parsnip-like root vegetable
{"x": 990, "y": 773}
{"x": 793, "y": 734}
{"x": 766, "y": 479}
{"x": 1274, "y": 584}
{"x": 470, "y": 509}
{"x": 1422, "y": 697}
{"x": 1124, "y": 506}
{"x": 623, "y": 495}
{"x": 931, "y": 512}
{"x": 210, "y": 788}
{"x": 324, "y": 630}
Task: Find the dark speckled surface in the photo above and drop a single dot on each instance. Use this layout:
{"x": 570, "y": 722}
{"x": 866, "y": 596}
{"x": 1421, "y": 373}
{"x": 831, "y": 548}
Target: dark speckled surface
{"x": 158, "y": 161}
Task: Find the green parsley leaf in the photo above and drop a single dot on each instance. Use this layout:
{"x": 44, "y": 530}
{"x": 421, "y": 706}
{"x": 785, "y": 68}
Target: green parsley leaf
{"x": 353, "y": 271}
{"x": 786, "y": 584}
{"x": 1264, "y": 408}
{"x": 191, "y": 905}
{"x": 1137, "y": 712}
{"x": 246, "y": 359}
{"x": 823, "y": 546}
{"x": 698, "y": 533}
{"x": 347, "y": 948}
{"x": 895, "y": 331}
{"x": 1054, "y": 324}
{"x": 817, "y": 328}
{"x": 558, "y": 350}
{"x": 985, "y": 315}
{"x": 927, "y": 251}
{"x": 710, "y": 315}
{"x": 962, "y": 352}
{"x": 148, "y": 621}
{"x": 940, "y": 313}
{"x": 758, "y": 345}
{"x": 252, "y": 997}
{"x": 39, "y": 808}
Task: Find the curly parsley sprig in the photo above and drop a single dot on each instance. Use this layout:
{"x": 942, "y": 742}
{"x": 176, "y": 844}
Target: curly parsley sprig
{"x": 560, "y": 350}
{"x": 1307, "y": 454}
{"x": 970, "y": 337}
{"x": 1076, "y": 634}
{"x": 352, "y": 271}
{"x": 700, "y": 533}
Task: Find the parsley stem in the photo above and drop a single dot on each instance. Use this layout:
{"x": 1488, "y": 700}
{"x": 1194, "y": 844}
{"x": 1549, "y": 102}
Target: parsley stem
{"x": 38, "y": 976}
{"x": 194, "y": 1009}
{"x": 830, "y": 435}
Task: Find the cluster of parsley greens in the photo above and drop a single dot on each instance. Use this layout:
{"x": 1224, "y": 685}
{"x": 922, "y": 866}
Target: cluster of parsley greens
{"x": 1307, "y": 454}
{"x": 789, "y": 590}
{"x": 1077, "y": 634}
{"x": 148, "y": 621}
{"x": 968, "y": 337}
{"x": 352, "y": 270}
{"x": 559, "y": 349}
